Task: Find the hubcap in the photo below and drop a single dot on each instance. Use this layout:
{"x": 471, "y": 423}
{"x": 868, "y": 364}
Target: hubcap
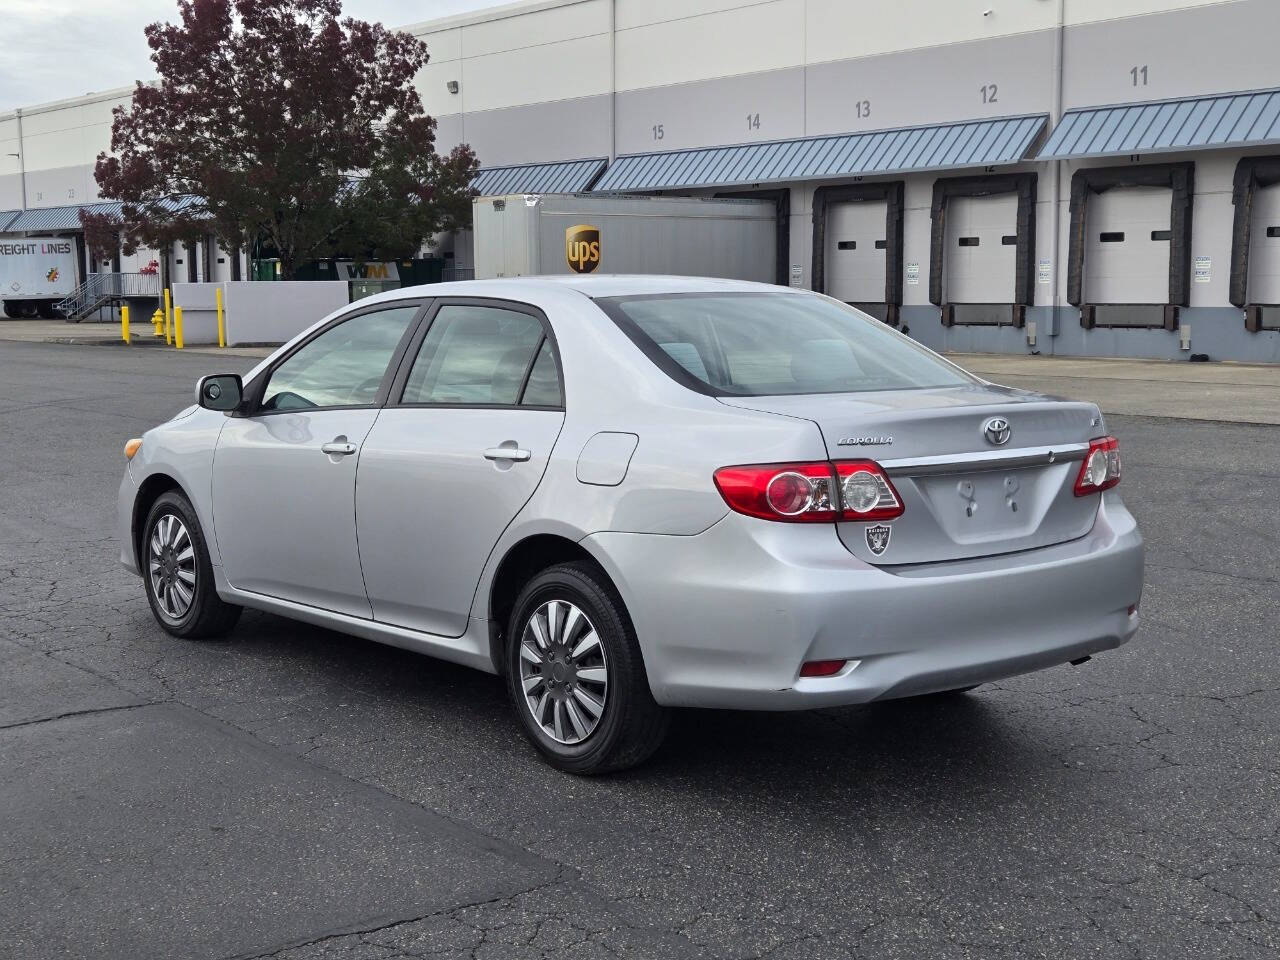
{"x": 563, "y": 671}
{"x": 171, "y": 566}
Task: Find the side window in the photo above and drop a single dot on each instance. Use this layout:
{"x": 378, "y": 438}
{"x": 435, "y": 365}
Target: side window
{"x": 543, "y": 388}
{"x": 343, "y": 366}
{"x": 473, "y": 355}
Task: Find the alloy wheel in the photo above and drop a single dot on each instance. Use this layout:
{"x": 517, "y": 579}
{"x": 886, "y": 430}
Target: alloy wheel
{"x": 171, "y": 566}
{"x": 564, "y": 672}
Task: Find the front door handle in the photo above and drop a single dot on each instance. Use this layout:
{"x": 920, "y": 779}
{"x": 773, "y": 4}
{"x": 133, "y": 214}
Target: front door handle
{"x": 338, "y": 448}
{"x": 505, "y": 452}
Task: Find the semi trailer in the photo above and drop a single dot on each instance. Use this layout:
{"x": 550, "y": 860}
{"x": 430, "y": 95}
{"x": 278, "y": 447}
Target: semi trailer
{"x": 36, "y": 273}
{"x": 529, "y": 234}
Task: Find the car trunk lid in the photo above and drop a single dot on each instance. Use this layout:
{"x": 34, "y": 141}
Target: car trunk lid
{"x": 965, "y": 495}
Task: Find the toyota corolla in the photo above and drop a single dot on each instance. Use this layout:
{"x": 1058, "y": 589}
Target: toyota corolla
{"x": 628, "y": 494}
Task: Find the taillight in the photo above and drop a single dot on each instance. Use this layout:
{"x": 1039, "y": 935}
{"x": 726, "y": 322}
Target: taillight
{"x": 820, "y": 492}
{"x": 798, "y": 492}
{"x": 1101, "y": 468}
{"x": 866, "y": 493}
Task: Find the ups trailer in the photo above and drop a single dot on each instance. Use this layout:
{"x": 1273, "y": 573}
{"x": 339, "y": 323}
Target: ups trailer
{"x": 529, "y": 235}
{"x": 37, "y": 273}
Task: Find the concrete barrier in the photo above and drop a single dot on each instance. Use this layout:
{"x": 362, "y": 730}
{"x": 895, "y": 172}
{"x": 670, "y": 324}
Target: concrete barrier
{"x": 256, "y": 311}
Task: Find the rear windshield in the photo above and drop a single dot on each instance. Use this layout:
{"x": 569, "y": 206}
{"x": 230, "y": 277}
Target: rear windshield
{"x": 770, "y": 344}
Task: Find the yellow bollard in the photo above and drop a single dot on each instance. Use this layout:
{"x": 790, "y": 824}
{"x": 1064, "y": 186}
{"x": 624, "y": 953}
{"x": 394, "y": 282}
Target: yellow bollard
{"x": 157, "y": 321}
{"x": 222, "y": 330}
{"x": 168, "y": 317}
{"x": 177, "y": 327}
{"x": 124, "y": 323}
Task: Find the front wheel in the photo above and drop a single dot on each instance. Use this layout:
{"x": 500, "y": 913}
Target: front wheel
{"x": 576, "y": 676}
{"x": 178, "y": 573}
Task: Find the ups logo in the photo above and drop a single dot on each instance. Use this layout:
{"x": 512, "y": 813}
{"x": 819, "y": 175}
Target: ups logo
{"x": 582, "y": 247}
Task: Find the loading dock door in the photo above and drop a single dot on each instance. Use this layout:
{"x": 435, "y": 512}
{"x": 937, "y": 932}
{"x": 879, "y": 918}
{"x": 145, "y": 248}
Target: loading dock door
{"x": 982, "y": 247}
{"x": 1264, "y": 247}
{"x": 855, "y": 254}
{"x": 1127, "y": 244}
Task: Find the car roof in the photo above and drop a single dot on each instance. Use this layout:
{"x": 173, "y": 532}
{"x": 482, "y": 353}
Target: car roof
{"x": 602, "y": 285}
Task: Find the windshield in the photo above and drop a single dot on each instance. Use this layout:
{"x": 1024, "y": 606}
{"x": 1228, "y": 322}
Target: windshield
{"x": 769, "y": 344}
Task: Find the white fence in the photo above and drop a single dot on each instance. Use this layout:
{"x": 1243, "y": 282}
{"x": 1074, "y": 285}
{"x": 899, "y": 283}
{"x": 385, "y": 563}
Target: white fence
{"x": 254, "y": 311}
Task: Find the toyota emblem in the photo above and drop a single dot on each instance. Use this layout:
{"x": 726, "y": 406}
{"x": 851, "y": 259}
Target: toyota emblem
{"x": 997, "y": 431}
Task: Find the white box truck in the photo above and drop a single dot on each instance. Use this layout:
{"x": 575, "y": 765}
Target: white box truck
{"x": 36, "y": 273}
{"x": 527, "y": 235}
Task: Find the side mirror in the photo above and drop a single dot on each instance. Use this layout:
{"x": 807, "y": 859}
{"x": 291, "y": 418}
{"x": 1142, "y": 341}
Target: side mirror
{"x": 220, "y": 391}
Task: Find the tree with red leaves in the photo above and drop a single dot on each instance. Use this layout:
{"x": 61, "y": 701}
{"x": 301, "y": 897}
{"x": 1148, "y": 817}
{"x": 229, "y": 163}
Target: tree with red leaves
{"x": 276, "y": 121}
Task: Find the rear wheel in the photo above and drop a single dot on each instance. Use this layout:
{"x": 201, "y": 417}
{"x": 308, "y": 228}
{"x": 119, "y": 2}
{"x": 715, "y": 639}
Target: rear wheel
{"x": 178, "y": 573}
{"x": 576, "y": 676}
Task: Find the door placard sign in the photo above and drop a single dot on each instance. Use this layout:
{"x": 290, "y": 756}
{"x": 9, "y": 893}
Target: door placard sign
{"x": 1044, "y": 271}
{"x": 1203, "y": 269}
{"x": 913, "y": 273}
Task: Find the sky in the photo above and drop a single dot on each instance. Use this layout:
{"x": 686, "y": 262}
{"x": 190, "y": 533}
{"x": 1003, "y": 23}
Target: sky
{"x": 54, "y": 49}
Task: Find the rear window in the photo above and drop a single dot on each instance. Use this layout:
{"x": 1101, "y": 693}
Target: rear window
{"x": 771, "y": 344}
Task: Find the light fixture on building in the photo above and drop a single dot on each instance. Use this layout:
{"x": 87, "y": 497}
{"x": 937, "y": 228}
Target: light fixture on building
{"x": 452, "y": 86}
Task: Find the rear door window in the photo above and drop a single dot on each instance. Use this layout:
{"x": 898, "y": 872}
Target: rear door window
{"x": 480, "y": 356}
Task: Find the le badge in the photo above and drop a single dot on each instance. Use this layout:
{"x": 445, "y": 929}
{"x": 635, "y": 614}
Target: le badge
{"x": 582, "y": 247}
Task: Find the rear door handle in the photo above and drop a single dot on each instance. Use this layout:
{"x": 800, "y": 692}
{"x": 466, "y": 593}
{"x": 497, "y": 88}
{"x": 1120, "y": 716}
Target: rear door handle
{"x": 338, "y": 448}
{"x": 507, "y": 453}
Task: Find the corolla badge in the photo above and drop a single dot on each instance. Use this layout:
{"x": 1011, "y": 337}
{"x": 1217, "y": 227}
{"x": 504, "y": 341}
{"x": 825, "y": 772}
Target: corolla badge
{"x": 997, "y": 431}
{"x": 878, "y": 538}
{"x": 864, "y": 442}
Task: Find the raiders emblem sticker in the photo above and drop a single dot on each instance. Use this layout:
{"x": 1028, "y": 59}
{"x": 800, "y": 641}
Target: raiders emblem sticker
{"x": 878, "y": 538}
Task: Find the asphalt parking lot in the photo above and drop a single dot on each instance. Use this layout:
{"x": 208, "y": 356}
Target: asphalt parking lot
{"x": 295, "y": 793}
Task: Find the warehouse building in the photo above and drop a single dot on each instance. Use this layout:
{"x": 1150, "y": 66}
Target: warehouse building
{"x": 1074, "y": 177}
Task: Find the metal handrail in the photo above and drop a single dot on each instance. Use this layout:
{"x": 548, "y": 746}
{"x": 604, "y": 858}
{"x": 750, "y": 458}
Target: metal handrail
{"x": 100, "y": 288}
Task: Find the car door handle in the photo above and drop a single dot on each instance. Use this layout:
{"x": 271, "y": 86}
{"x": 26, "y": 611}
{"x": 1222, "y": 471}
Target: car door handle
{"x": 338, "y": 448}
{"x": 507, "y": 453}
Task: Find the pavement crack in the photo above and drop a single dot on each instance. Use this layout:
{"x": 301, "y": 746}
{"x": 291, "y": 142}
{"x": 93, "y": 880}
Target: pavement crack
{"x": 79, "y": 713}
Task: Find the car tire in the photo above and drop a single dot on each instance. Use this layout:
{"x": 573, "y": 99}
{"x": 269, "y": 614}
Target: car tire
{"x": 587, "y": 726}
{"x": 179, "y": 577}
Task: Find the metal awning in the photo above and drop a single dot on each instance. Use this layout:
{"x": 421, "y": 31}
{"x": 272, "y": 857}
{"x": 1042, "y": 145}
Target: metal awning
{"x": 567, "y": 176}
{"x": 43, "y": 219}
{"x": 1197, "y": 123}
{"x": 57, "y": 218}
{"x": 6, "y": 217}
{"x": 977, "y": 143}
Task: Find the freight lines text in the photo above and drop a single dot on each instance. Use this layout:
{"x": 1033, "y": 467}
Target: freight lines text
{"x": 26, "y": 249}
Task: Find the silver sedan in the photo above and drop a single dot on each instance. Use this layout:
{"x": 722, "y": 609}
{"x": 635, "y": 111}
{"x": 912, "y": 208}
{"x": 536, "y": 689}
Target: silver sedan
{"x": 627, "y": 494}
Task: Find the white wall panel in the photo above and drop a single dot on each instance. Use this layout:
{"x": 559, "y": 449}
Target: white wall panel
{"x": 570, "y": 22}
{"x": 840, "y": 29}
{"x": 1083, "y": 11}
{"x": 432, "y": 81}
{"x": 638, "y": 13}
{"x": 762, "y": 36}
{"x": 555, "y": 71}
{"x": 443, "y": 45}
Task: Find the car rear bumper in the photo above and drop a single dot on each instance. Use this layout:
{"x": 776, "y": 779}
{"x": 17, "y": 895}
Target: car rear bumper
{"x": 727, "y": 617}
